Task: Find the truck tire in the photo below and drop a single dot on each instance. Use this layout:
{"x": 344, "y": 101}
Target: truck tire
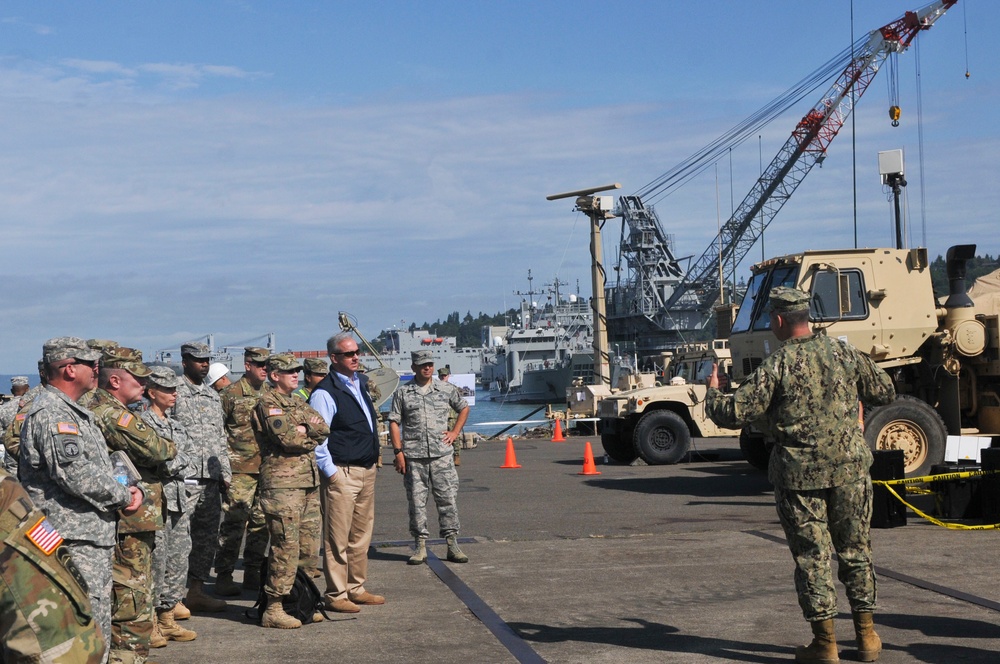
{"x": 755, "y": 449}
{"x": 661, "y": 437}
{"x": 910, "y": 425}
{"x": 619, "y": 446}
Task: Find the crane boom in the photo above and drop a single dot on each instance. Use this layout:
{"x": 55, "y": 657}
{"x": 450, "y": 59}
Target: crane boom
{"x": 805, "y": 148}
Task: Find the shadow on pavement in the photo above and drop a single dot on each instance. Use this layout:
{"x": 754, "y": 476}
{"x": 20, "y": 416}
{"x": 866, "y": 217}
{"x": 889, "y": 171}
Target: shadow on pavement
{"x": 653, "y": 636}
{"x": 714, "y": 486}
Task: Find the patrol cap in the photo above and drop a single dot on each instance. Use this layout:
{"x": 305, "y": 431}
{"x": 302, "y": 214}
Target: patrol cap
{"x": 197, "y": 350}
{"x": 283, "y": 362}
{"x": 216, "y": 370}
{"x": 102, "y": 344}
{"x": 128, "y": 359}
{"x": 419, "y": 357}
{"x": 255, "y": 354}
{"x": 63, "y": 348}
{"x": 164, "y": 377}
{"x": 444, "y": 371}
{"x": 786, "y": 300}
{"x": 18, "y": 380}
{"x": 316, "y": 365}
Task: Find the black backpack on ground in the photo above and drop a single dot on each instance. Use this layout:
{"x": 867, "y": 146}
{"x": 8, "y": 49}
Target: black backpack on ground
{"x": 304, "y": 600}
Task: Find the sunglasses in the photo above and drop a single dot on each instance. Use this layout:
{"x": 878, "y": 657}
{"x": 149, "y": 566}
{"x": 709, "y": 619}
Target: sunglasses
{"x": 347, "y": 353}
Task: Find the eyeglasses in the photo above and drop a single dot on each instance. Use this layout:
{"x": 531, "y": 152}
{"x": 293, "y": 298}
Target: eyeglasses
{"x": 346, "y": 353}
{"x": 92, "y": 364}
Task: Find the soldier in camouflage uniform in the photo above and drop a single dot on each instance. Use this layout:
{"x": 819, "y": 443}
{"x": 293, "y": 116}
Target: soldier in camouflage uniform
{"x": 199, "y": 410}
{"x": 45, "y": 615}
{"x": 66, "y": 470}
{"x": 100, "y": 345}
{"x": 121, "y": 383}
{"x": 444, "y": 373}
{"x": 288, "y": 430}
{"x": 314, "y": 369}
{"x": 422, "y": 447}
{"x": 12, "y": 416}
{"x": 805, "y": 397}
{"x": 173, "y": 541}
{"x": 241, "y": 508}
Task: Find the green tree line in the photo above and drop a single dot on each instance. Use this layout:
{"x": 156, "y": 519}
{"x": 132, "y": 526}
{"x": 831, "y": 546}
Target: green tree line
{"x": 466, "y": 329}
{"x": 975, "y": 268}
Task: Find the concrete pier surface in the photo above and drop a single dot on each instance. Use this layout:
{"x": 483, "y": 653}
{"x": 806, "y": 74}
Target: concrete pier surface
{"x": 683, "y": 563}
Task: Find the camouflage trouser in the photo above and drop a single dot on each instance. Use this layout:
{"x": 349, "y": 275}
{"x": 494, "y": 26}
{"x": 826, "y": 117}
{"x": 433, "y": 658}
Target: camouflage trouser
{"x": 437, "y": 476}
{"x": 284, "y": 510}
{"x": 170, "y": 560}
{"x": 132, "y": 610}
{"x": 820, "y": 520}
{"x": 310, "y": 533}
{"x": 94, "y": 564}
{"x": 241, "y": 511}
{"x": 204, "y": 504}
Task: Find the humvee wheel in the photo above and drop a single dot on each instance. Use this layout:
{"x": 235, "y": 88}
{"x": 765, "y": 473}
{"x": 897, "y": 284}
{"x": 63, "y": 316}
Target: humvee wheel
{"x": 661, "y": 437}
{"x": 619, "y": 446}
{"x": 910, "y": 425}
{"x": 755, "y": 450}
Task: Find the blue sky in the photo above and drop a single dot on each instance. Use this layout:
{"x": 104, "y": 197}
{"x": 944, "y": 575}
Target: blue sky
{"x": 170, "y": 170}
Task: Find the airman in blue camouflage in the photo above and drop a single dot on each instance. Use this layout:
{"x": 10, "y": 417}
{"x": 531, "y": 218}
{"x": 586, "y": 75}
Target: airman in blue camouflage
{"x": 422, "y": 448}
{"x": 288, "y": 430}
{"x": 66, "y": 470}
{"x": 241, "y": 510}
{"x": 805, "y": 397}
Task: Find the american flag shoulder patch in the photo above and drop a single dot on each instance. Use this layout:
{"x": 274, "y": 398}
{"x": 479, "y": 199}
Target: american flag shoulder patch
{"x": 125, "y": 419}
{"x": 274, "y": 411}
{"x": 20, "y": 417}
{"x": 45, "y": 537}
{"x": 68, "y": 427}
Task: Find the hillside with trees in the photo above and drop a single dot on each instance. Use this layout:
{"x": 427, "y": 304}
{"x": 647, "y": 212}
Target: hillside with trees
{"x": 975, "y": 268}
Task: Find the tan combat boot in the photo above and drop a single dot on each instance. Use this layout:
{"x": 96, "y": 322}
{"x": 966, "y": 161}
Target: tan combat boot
{"x": 181, "y": 612}
{"x": 419, "y": 556}
{"x": 823, "y": 649}
{"x": 455, "y": 554}
{"x": 275, "y": 616}
{"x": 869, "y": 644}
{"x": 226, "y": 587}
{"x": 156, "y": 639}
{"x": 198, "y": 600}
{"x": 170, "y": 629}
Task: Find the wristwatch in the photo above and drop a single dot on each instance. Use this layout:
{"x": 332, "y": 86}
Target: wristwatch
{"x": 397, "y": 450}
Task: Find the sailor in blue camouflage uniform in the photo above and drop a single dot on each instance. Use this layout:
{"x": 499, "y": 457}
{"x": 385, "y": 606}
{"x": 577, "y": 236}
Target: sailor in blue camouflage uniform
{"x": 805, "y": 397}
{"x": 122, "y": 381}
{"x": 422, "y": 448}
{"x": 199, "y": 410}
{"x": 66, "y": 470}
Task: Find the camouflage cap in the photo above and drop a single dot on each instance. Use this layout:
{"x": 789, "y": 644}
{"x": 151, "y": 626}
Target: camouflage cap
{"x": 444, "y": 371}
{"x": 18, "y": 380}
{"x": 419, "y": 357}
{"x": 283, "y": 362}
{"x": 128, "y": 359}
{"x": 197, "y": 350}
{"x": 316, "y": 365}
{"x": 102, "y": 344}
{"x": 63, "y": 348}
{"x": 785, "y": 300}
{"x": 255, "y": 354}
{"x": 164, "y": 377}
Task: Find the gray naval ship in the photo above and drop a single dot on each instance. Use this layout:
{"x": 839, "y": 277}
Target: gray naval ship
{"x": 445, "y": 351}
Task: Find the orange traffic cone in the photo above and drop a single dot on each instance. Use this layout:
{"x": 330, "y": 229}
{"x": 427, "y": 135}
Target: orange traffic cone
{"x": 588, "y": 462}
{"x": 557, "y": 436}
{"x": 510, "y": 461}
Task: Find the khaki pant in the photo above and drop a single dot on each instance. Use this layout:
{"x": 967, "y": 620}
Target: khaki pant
{"x": 348, "y": 519}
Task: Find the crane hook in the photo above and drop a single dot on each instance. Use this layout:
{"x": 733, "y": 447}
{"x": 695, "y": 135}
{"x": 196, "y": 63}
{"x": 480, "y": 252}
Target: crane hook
{"x": 894, "y": 114}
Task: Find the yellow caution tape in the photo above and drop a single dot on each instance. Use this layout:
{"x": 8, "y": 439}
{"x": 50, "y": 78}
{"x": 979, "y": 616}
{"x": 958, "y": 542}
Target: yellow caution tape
{"x": 945, "y": 477}
{"x": 937, "y": 522}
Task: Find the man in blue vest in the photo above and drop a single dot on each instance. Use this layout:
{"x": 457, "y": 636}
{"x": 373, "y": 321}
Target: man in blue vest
{"x": 346, "y": 462}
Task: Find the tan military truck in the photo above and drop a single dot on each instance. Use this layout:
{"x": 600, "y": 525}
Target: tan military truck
{"x": 943, "y": 357}
{"x": 657, "y": 423}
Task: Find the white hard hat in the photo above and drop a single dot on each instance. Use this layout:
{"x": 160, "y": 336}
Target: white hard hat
{"x": 216, "y": 371}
